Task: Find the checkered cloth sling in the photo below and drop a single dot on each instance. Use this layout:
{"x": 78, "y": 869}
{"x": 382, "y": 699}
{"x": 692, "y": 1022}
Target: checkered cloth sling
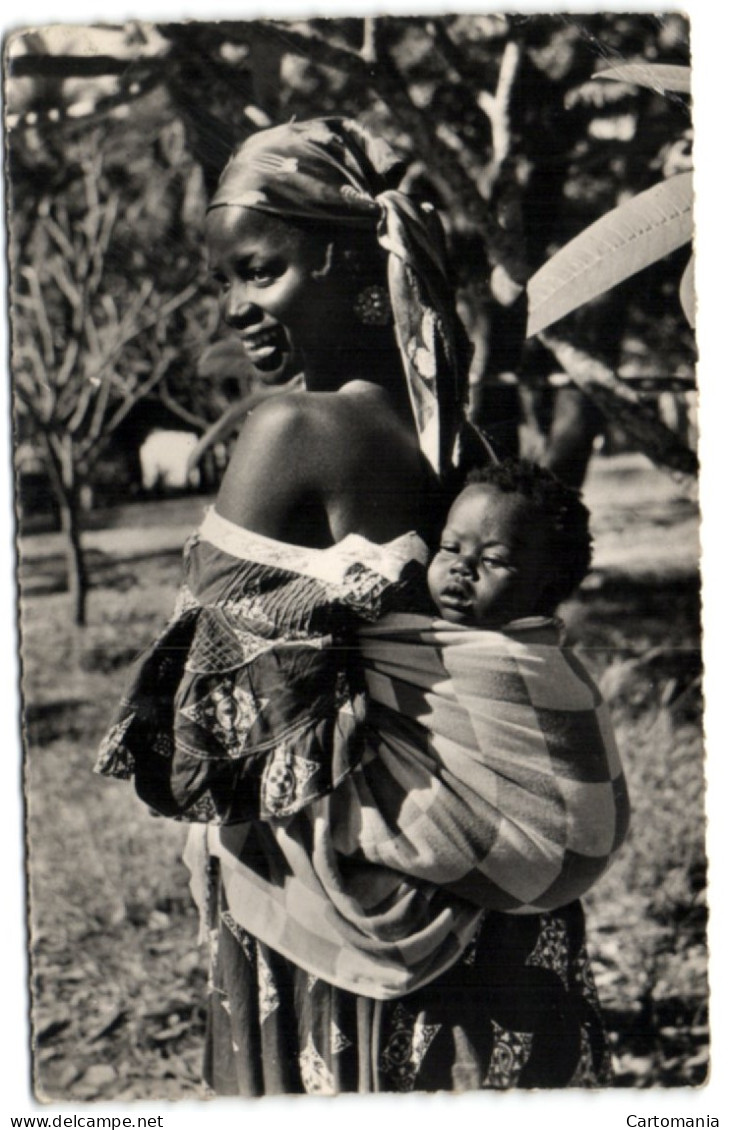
{"x": 490, "y": 781}
{"x": 370, "y": 783}
{"x": 492, "y": 766}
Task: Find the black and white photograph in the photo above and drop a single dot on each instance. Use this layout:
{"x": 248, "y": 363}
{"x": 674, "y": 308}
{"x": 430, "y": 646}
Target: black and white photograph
{"x": 354, "y": 390}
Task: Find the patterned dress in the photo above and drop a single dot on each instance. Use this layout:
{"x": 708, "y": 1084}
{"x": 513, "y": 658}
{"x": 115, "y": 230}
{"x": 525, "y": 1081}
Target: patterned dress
{"x": 519, "y": 1009}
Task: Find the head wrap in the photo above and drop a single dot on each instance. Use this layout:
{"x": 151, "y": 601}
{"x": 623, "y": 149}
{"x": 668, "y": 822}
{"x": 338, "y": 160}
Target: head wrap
{"x": 331, "y": 170}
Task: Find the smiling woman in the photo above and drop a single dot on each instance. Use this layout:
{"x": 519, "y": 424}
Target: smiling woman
{"x": 251, "y": 715}
{"x": 323, "y": 467}
{"x": 264, "y": 270}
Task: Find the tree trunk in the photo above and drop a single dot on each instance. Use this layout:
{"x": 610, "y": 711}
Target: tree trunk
{"x": 621, "y": 404}
{"x": 76, "y": 574}
{"x": 575, "y": 424}
{"x": 64, "y": 478}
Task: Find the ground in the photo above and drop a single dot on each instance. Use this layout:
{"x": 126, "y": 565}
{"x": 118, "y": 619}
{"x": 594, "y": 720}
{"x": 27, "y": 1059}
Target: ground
{"x": 118, "y": 978}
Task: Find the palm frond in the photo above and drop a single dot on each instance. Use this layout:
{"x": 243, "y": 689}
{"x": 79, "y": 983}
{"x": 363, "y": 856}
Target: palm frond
{"x": 687, "y": 292}
{"x": 656, "y": 76}
{"x": 624, "y": 241}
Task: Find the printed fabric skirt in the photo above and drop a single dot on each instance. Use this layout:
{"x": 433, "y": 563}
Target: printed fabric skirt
{"x": 519, "y": 1009}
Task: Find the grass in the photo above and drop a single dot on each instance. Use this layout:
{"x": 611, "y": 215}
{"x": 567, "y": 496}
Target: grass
{"x": 118, "y": 979}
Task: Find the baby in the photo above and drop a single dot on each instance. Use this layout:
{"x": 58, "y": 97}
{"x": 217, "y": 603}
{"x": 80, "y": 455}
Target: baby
{"x": 491, "y": 768}
{"x": 516, "y": 544}
{"x": 474, "y": 771}
{"x": 489, "y": 779}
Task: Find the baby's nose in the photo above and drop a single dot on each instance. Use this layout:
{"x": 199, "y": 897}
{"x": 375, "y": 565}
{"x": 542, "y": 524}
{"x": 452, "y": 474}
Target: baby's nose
{"x": 463, "y": 563}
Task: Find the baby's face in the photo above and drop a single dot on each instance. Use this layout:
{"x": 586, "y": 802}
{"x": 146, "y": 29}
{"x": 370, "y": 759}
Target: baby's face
{"x": 493, "y": 563}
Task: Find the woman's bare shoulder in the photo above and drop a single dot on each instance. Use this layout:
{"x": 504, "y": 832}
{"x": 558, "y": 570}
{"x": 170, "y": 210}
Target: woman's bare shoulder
{"x": 358, "y": 409}
{"x": 268, "y": 465}
{"x": 311, "y": 449}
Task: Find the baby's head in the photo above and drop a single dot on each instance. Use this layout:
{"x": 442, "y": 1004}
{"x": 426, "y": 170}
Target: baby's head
{"x": 516, "y": 543}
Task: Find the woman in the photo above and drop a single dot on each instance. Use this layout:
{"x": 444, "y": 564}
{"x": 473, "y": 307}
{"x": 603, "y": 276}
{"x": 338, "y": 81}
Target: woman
{"x": 314, "y": 250}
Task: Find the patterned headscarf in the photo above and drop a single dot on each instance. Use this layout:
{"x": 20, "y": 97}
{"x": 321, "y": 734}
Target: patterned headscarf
{"x": 332, "y": 170}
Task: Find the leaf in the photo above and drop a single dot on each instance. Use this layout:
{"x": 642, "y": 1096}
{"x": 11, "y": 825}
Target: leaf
{"x": 51, "y": 1029}
{"x": 655, "y": 76}
{"x": 172, "y": 1032}
{"x": 616, "y": 246}
{"x": 107, "y": 1024}
{"x": 687, "y": 291}
{"x": 99, "y": 1075}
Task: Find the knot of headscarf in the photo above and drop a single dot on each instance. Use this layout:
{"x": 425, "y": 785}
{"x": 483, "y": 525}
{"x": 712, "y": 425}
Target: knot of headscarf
{"x": 331, "y": 170}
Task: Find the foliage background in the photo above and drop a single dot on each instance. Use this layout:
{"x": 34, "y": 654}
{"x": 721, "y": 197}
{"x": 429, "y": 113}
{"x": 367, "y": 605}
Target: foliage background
{"x": 502, "y": 125}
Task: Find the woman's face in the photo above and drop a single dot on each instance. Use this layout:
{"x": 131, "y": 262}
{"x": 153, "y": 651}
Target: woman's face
{"x": 276, "y": 285}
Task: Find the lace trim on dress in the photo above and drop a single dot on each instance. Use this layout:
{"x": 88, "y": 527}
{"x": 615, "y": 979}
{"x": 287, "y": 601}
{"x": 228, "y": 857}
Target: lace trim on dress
{"x": 329, "y": 565}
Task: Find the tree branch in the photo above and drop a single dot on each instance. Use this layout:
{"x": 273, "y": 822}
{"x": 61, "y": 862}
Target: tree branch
{"x": 497, "y": 108}
{"x": 39, "y": 309}
{"x": 385, "y": 80}
{"x": 58, "y": 235}
{"x": 142, "y": 390}
{"x": 101, "y": 243}
{"x": 622, "y": 405}
{"x": 371, "y": 39}
{"x": 200, "y": 423}
{"x": 83, "y": 400}
{"x": 100, "y": 408}
{"x": 70, "y": 358}
{"x": 177, "y": 300}
{"x": 59, "y": 272}
{"x": 300, "y": 40}
{"x": 42, "y": 390}
{"x": 455, "y": 60}
{"x": 27, "y": 393}
{"x": 92, "y": 337}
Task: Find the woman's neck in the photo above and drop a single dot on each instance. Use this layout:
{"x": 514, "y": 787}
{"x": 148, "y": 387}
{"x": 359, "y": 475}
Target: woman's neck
{"x": 376, "y": 362}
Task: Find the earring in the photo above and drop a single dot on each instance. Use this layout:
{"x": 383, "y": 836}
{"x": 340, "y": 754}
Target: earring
{"x": 372, "y": 306}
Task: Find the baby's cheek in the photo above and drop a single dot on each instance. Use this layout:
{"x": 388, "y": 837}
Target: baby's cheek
{"x": 434, "y": 577}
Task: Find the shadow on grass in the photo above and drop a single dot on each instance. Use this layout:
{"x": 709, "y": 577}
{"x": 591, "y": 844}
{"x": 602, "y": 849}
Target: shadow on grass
{"x": 664, "y": 1044}
{"x": 656, "y": 664}
{"x": 45, "y": 722}
{"x": 660, "y": 611}
{"x": 46, "y": 575}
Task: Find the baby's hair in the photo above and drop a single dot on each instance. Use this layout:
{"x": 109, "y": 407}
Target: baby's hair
{"x": 562, "y": 509}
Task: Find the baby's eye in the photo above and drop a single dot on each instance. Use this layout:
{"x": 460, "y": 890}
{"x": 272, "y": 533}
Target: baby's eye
{"x": 448, "y": 547}
{"x": 495, "y": 562}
